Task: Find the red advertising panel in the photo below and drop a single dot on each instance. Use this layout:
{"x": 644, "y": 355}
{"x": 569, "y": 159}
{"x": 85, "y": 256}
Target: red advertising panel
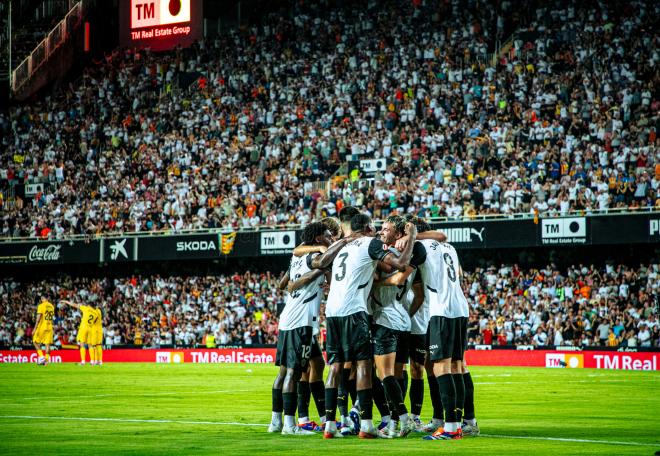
{"x": 529, "y": 358}
{"x": 168, "y": 356}
{"x": 159, "y": 24}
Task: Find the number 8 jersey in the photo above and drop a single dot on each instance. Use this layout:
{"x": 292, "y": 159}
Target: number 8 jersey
{"x": 352, "y": 276}
{"x": 442, "y": 284}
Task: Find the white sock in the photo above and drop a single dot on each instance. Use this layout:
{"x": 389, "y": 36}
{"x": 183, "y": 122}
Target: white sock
{"x": 303, "y": 420}
{"x": 472, "y": 422}
{"x": 385, "y": 419}
{"x": 451, "y": 427}
{"x": 276, "y": 418}
{"x": 404, "y": 419}
{"x": 330, "y": 426}
{"x": 289, "y": 421}
{"x": 414, "y": 417}
{"x": 366, "y": 425}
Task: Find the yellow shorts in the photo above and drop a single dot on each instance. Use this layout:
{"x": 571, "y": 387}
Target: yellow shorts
{"x": 83, "y": 335}
{"x": 43, "y": 336}
{"x": 96, "y": 337}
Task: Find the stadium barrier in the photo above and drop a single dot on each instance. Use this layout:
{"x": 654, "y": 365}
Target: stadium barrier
{"x": 617, "y": 360}
{"x": 481, "y": 234}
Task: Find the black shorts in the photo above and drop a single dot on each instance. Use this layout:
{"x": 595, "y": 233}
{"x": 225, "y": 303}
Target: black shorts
{"x": 447, "y": 338}
{"x": 387, "y": 340}
{"x": 294, "y": 348}
{"x": 417, "y": 348}
{"x": 348, "y": 338}
{"x": 316, "y": 349}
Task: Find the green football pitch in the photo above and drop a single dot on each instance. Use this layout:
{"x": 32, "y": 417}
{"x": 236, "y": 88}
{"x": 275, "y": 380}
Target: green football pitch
{"x": 224, "y": 409}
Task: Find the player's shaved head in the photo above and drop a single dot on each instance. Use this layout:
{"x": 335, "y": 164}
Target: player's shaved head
{"x": 347, "y": 214}
{"x": 361, "y": 223}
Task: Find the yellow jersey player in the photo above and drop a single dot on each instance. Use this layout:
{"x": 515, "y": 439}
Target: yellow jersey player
{"x": 43, "y": 330}
{"x": 84, "y": 330}
{"x": 96, "y": 335}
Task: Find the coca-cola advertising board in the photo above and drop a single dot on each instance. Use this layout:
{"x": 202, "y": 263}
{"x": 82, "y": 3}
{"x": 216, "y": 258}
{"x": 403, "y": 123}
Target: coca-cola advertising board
{"x": 50, "y": 252}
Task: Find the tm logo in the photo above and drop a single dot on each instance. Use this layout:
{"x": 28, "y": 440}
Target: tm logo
{"x": 118, "y": 248}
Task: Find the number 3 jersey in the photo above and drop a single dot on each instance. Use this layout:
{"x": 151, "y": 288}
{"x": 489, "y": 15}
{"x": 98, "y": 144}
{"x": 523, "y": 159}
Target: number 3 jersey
{"x": 352, "y": 276}
{"x": 442, "y": 284}
{"x": 303, "y": 305}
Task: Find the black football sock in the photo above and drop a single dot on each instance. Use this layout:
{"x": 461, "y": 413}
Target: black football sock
{"x": 318, "y": 392}
{"x": 304, "y": 394}
{"x": 290, "y": 400}
{"x": 330, "y": 404}
{"x": 379, "y": 396}
{"x": 278, "y": 405}
{"x": 342, "y": 396}
{"x": 366, "y": 403}
{"x": 416, "y": 396}
{"x": 406, "y": 382}
{"x": 448, "y": 396}
{"x": 468, "y": 412}
{"x": 352, "y": 391}
{"x": 394, "y": 395}
{"x": 403, "y": 383}
{"x": 436, "y": 400}
{"x": 460, "y": 395}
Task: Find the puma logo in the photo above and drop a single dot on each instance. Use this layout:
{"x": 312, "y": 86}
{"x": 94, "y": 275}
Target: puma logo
{"x": 479, "y": 233}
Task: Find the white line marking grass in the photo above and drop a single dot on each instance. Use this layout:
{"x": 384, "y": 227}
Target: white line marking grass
{"x": 231, "y": 423}
{"x": 169, "y": 393}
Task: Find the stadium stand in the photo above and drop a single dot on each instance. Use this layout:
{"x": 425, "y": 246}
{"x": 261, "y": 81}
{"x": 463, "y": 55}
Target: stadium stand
{"x": 239, "y": 130}
{"x": 582, "y": 305}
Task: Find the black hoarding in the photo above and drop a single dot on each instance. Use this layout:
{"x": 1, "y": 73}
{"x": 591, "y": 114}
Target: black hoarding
{"x": 117, "y": 250}
{"x": 184, "y": 247}
{"x": 489, "y": 234}
{"x": 50, "y": 252}
{"x": 197, "y": 246}
{"x": 474, "y": 234}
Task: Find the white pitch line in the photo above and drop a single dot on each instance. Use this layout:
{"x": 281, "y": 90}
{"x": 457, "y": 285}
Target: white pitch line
{"x": 567, "y": 381}
{"x": 561, "y": 439}
{"x": 173, "y": 393}
{"x": 232, "y": 423}
{"x": 127, "y": 420}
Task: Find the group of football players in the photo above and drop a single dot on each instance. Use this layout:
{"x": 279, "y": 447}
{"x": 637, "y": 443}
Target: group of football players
{"x": 89, "y": 337}
{"x": 394, "y": 298}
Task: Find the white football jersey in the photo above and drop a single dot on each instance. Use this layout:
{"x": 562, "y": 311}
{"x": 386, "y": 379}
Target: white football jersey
{"x": 419, "y": 323}
{"x": 390, "y": 305}
{"x": 352, "y": 275}
{"x": 303, "y": 306}
{"x": 442, "y": 284}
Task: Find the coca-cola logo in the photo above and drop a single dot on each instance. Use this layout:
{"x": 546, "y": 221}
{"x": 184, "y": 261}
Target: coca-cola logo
{"x": 48, "y": 253}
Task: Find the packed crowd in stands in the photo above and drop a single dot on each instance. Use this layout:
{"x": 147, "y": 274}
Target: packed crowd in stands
{"x": 614, "y": 306}
{"x": 153, "y": 310}
{"x": 235, "y": 131}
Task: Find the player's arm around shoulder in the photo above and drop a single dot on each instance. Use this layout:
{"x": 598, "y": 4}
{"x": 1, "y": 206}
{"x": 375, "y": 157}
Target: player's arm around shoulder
{"x": 402, "y": 261}
{"x": 303, "y": 249}
{"x": 324, "y": 260}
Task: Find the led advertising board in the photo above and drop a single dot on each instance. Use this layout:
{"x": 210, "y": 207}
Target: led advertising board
{"x": 159, "y": 24}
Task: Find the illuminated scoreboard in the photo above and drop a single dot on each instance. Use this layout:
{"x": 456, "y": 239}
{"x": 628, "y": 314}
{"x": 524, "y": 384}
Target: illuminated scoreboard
{"x": 160, "y": 24}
